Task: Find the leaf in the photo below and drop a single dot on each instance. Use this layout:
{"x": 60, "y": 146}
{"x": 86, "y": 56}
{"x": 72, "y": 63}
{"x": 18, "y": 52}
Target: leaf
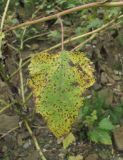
{"x": 99, "y": 135}
{"x": 90, "y": 119}
{"x": 68, "y": 140}
{"x": 105, "y": 138}
{"x": 106, "y": 124}
{"x": 95, "y": 23}
{"x": 58, "y": 82}
{"x": 94, "y": 136}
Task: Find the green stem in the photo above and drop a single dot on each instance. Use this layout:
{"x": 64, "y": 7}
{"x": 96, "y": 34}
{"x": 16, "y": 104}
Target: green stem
{"x": 1, "y": 26}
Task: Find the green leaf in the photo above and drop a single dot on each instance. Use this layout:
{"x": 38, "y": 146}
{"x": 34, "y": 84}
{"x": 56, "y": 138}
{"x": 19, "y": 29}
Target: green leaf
{"x": 95, "y": 23}
{"x": 105, "y": 138}
{"x": 101, "y": 136}
{"x": 94, "y": 136}
{"x": 106, "y": 124}
{"x": 68, "y": 140}
{"x": 90, "y": 119}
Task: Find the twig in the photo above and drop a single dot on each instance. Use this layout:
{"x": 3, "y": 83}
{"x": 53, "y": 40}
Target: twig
{"x": 11, "y": 130}
{"x": 83, "y": 35}
{"x": 6, "y": 107}
{"x": 35, "y": 140}
{"x": 15, "y": 72}
{"x": 83, "y": 43}
{"x": 29, "y": 96}
{"x": 12, "y": 47}
{"x": 35, "y": 36}
{"x": 66, "y": 42}
{"x": 62, "y": 32}
{"x": 94, "y": 35}
{"x": 75, "y": 9}
{"x": 25, "y": 121}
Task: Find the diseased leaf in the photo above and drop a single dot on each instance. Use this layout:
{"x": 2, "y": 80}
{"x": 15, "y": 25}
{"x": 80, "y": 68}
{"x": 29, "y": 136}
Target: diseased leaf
{"x": 58, "y": 82}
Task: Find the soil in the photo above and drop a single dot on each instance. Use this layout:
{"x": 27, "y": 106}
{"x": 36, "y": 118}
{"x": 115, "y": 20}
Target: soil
{"x": 106, "y": 52}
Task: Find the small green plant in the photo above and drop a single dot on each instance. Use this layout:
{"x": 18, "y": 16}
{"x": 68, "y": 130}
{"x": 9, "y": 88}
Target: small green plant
{"x": 100, "y": 119}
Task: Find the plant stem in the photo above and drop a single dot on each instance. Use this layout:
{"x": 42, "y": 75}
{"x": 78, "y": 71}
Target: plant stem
{"x": 22, "y": 39}
{"x": 22, "y": 83}
{"x": 83, "y": 35}
{"x": 25, "y": 121}
{"x": 11, "y": 130}
{"x": 35, "y": 36}
{"x": 35, "y": 140}
{"x": 4, "y": 15}
{"x": 19, "y": 68}
{"x": 6, "y": 107}
{"x": 66, "y": 42}
{"x": 75, "y": 9}
{"x": 83, "y": 43}
{"x": 1, "y": 26}
{"x": 62, "y": 33}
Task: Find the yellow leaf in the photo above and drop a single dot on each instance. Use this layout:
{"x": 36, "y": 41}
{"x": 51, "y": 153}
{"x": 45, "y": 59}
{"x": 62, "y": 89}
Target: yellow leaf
{"x": 68, "y": 140}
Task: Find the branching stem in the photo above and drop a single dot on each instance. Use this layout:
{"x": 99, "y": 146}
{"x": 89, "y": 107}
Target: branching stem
{"x": 105, "y": 26}
{"x": 84, "y": 35}
{"x": 71, "y": 10}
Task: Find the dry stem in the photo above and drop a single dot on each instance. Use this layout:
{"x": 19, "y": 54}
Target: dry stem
{"x": 83, "y": 43}
{"x": 35, "y": 140}
{"x": 109, "y": 24}
{"x": 83, "y": 35}
{"x": 11, "y": 130}
{"x": 5, "y": 108}
{"x": 25, "y": 121}
{"x": 75, "y": 9}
